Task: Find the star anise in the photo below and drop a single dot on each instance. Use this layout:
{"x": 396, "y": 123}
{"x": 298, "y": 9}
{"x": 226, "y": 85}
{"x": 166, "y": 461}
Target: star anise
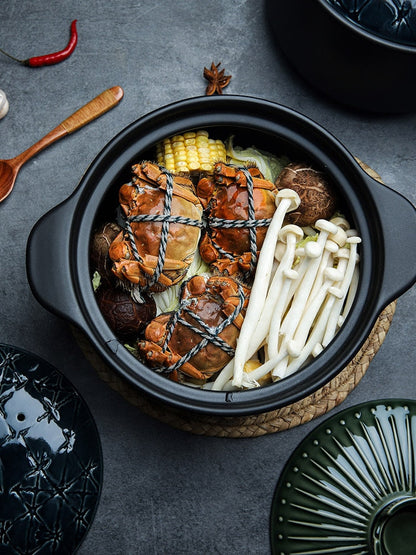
{"x": 216, "y": 79}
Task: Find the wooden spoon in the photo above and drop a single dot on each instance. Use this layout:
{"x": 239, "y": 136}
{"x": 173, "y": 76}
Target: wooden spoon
{"x": 92, "y": 110}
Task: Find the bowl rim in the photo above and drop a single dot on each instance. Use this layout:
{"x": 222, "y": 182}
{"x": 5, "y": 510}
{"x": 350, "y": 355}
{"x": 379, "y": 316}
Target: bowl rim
{"x": 364, "y": 32}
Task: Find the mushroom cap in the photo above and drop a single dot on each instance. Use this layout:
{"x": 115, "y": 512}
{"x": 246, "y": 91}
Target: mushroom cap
{"x": 318, "y": 199}
{"x": 100, "y": 243}
{"x": 124, "y": 316}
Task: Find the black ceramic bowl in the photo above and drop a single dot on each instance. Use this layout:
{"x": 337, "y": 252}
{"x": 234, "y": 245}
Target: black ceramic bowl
{"x": 349, "y": 62}
{"x": 386, "y": 222}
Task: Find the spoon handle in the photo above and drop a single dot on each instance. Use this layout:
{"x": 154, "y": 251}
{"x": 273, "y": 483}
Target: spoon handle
{"x": 93, "y": 109}
{"x": 89, "y": 112}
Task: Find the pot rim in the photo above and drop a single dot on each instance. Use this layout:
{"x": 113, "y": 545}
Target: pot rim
{"x": 68, "y": 292}
{"x": 223, "y": 403}
{"x": 362, "y": 31}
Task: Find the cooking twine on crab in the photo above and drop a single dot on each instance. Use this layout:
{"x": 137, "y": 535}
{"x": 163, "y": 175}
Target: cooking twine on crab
{"x": 251, "y": 223}
{"x": 166, "y": 218}
{"x": 208, "y": 224}
{"x": 208, "y": 334}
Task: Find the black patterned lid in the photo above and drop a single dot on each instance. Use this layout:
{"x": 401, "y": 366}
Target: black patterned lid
{"x": 50, "y": 458}
{"x": 394, "y": 20}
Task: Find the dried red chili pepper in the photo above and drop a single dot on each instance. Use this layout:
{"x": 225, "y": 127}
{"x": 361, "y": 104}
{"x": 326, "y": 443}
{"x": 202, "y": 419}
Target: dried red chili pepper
{"x": 55, "y": 57}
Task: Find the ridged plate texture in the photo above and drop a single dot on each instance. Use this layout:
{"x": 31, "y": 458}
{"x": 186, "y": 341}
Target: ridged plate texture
{"x": 349, "y": 487}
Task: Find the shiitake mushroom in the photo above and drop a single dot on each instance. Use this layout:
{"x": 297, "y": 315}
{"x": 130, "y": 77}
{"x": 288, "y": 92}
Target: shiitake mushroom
{"x": 124, "y": 316}
{"x": 100, "y": 243}
{"x": 317, "y": 197}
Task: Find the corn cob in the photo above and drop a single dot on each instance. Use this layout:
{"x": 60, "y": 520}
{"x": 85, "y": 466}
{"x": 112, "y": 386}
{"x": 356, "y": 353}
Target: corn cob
{"x": 191, "y": 152}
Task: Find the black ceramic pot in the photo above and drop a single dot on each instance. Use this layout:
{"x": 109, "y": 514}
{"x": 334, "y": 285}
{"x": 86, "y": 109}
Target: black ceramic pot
{"x": 346, "y": 61}
{"x": 386, "y": 222}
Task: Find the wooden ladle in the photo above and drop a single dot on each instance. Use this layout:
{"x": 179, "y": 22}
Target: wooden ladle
{"x": 92, "y": 110}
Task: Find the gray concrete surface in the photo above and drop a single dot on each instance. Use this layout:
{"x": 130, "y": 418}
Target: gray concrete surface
{"x": 166, "y": 491}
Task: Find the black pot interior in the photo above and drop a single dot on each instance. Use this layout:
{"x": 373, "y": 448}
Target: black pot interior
{"x": 268, "y": 127}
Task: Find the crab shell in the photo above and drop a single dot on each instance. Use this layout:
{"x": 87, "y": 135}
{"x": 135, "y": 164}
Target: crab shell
{"x": 146, "y": 196}
{"x": 225, "y": 196}
{"x": 213, "y": 300}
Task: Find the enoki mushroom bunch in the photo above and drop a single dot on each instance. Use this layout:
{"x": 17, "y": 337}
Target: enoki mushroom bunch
{"x": 302, "y": 292}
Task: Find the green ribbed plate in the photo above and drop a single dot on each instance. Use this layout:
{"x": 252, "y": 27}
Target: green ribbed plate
{"x": 349, "y": 488}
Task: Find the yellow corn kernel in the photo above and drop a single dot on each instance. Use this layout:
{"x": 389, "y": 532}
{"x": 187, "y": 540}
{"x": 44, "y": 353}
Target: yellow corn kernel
{"x": 190, "y": 151}
{"x": 180, "y": 157}
{"x": 201, "y": 141}
{"x": 178, "y": 145}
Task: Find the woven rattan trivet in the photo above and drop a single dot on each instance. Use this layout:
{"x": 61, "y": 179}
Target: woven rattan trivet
{"x": 317, "y": 404}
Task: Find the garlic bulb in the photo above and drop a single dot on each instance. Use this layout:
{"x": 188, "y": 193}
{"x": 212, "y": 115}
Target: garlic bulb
{"x": 4, "y": 104}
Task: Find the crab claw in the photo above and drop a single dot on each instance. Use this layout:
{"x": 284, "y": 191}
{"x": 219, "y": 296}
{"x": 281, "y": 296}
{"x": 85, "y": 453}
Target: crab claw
{"x": 196, "y": 286}
{"x": 157, "y": 357}
{"x": 120, "y": 248}
{"x": 244, "y": 262}
{"x": 205, "y": 190}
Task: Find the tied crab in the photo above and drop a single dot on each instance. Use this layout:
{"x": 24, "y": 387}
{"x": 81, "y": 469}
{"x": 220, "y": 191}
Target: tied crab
{"x": 162, "y": 224}
{"x": 200, "y": 337}
{"x": 239, "y": 205}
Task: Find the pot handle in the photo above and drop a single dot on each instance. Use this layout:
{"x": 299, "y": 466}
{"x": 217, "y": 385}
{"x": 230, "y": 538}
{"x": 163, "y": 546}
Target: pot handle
{"x": 48, "y": 263}
{"x": 398, "y": 229}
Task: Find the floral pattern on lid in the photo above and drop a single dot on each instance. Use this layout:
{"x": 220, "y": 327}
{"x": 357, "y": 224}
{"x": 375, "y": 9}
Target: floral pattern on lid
{"x": 394, "y": 20}
{"x": 50, "y": 458}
